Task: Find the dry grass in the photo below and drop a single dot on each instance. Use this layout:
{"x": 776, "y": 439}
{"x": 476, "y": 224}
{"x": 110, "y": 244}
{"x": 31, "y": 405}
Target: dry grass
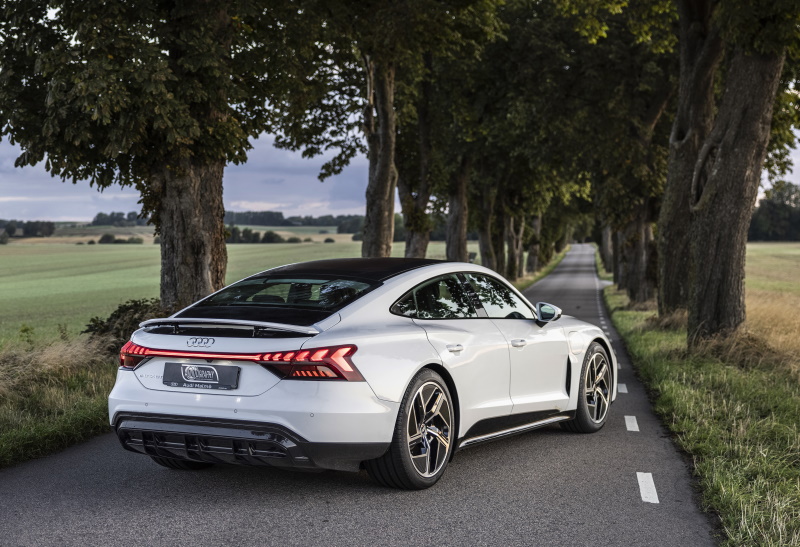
{"x": 52, "y": 396}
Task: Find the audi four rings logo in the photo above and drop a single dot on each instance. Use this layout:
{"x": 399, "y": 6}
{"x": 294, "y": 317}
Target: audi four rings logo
{"x": 199, "y": 342}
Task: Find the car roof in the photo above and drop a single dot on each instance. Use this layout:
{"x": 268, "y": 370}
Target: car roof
{"x": 372, "y": 269}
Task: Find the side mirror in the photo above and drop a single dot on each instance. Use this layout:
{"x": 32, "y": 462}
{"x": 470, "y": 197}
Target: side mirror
{"x": 547, "y": 312}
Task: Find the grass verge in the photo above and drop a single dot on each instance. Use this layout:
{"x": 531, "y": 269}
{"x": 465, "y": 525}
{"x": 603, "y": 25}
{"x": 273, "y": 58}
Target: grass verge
{"x": 736, "y": 412}
{"x": 524, "y": 282}
{"x": 52, "y": 396}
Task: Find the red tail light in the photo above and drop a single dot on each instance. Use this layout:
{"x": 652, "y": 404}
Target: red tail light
{"x": 330, "y": 363}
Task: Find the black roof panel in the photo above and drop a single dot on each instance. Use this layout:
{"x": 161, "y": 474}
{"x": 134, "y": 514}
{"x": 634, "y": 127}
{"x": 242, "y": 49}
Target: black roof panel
{"x": 373, "y": 269}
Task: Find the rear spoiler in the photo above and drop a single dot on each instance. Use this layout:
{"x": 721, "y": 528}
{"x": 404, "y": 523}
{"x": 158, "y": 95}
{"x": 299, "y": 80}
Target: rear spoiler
{"x": 175, "y": 321}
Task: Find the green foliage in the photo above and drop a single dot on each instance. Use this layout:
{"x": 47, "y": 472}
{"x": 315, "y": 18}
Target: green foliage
{"x": 117, "y": 93}
{"x": 117, "y": 328}
{"x": 331, "y": 240}
{"x": 272, "y": 237}
{"x": 777, "y": 217}
{"x": 3, "y": 238}
{"x": 107, "y": 238}
{"x": 294, "y": 239}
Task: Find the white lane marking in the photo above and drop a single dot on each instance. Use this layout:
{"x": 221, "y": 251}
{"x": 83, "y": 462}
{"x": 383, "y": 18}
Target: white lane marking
{"x": 622, "y": 388}
{"x": 619, "y": 365}
{"x": 647, "y": 487}
{"x": 631, "y": 424}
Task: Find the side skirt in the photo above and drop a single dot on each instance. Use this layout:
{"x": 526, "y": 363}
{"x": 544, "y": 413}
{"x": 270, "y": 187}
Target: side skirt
{"x": 497, "y": 428}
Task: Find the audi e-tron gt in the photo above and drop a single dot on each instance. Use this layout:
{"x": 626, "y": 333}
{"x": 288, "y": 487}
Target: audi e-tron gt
{"x": 384, "y": 364}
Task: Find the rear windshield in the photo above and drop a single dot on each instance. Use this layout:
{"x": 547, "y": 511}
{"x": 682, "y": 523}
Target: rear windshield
{"x": 296, "y": 300}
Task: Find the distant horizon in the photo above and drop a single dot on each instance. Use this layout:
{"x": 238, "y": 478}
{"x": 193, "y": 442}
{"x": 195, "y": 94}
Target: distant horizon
{"x": 271, "y": 180}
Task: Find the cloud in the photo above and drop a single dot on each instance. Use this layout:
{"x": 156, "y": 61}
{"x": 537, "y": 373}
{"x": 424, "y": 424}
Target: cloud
{"x": 272, "y": 179}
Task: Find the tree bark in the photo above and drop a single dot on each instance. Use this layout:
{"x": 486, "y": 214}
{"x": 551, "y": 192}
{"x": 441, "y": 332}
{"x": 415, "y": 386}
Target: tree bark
{"x": 486, "y": 225}
{"x": 381, "y": 135}
{"x": 700, "y": 53}
{"x": 415, "y": 198}
{"x": 498, "y": 237}
{"x": 511, "y": 240}
{"x": 636, "y": 238}
{"x": 616, "y": 251}
{"x": 723, "y": 193}
{"x": 533, "y": 246}
{"x": 456, "y": 236}
{"x": 192, "y": 230}
{"x": 604, "y": 247}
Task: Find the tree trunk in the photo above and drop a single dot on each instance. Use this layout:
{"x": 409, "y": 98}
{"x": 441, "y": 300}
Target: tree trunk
{"x": 415, "y": 198}
{"x": 190, "y": 216}
{"x": 723, "y": 192}
{"x": 381, "y": 134}
{"x": 533, "y": 246}
{"x": 700, "y": 53}
{"x": 637, "y": 237}
{"x": 498, "y": 238}
{"x": 486, "y": 225}
{"x": 604, "y": 247}
{"x": 510, "y": 236}
{"x": 458, "y": 213}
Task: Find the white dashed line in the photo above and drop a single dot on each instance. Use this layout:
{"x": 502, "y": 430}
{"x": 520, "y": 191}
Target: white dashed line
{"x": 622, "y": 388}
{"x": 647, "y": 487}
{"x": 631, "y": 423}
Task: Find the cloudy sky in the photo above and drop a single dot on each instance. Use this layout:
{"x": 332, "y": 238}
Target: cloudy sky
{"x": 271, "y": 180}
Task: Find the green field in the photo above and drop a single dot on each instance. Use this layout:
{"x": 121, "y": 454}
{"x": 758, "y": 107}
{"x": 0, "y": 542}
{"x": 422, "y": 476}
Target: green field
{"x": 47, "y": 285}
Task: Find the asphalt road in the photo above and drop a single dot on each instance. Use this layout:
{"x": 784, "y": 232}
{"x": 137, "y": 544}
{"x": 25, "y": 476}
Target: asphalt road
{"x": 546, "y": 488}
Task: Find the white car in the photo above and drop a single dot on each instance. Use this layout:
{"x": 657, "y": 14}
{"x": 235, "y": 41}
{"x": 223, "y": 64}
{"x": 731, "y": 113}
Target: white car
{"x": 387, "y": 364}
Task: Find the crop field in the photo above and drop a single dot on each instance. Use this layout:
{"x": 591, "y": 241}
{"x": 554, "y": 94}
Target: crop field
{"x": 48, "y": 289}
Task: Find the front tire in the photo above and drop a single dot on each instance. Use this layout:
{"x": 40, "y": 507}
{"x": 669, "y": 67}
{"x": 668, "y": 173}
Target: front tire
{"x": 594, "y": 397}
{"x": 423, "y": 437}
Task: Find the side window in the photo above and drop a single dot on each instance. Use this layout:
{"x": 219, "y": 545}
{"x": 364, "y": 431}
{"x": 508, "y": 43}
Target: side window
{"x": 439, "y": 298}
{"x": 497, "y": 299}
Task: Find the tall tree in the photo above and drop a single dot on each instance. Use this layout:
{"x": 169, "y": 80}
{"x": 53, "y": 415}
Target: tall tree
{"x": 155, "y": 95}
{"x": 375, "y": 47}
{"x": 713, "y": 182}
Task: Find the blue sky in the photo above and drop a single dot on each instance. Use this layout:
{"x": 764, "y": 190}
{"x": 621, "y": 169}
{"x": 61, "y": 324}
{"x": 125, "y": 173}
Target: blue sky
{"x": 271, "y": 180}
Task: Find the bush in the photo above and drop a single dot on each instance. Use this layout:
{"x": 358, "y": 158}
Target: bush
{"x": 79, "y": 243}
{"x": 308, "y": 240}
{"x": 135, "y": 240}
{"x": 116, "y": 329}
{"x": 90, "y": 242}
{"x": 272, "y": 237}
{"x": 3, "y": 238}
{"x": 107, "y": 238}
{"x": 358, "y": 237}
{"x": 294, "y": 239}
{"x": 157, "y": 240}
{"x": 330, "y": 240}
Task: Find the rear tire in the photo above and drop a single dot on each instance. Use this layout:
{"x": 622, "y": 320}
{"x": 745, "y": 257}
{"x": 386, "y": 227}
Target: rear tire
{"x": 594, "y": 395}
{"x": 181, "y": 465}
{"x": 423, "y": 437}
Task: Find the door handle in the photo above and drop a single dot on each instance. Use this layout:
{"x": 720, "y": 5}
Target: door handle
{"x": 455, "y": 348}
{"x": 518, "y": 343}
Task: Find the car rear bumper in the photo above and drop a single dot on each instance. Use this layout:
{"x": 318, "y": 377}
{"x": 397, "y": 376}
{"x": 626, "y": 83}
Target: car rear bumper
{"x": 322, "y": 424}
{"x": 236, "y": 442}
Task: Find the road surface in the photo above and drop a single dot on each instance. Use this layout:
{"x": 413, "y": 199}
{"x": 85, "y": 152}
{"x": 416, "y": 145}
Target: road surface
{"x": 547, "y": 487}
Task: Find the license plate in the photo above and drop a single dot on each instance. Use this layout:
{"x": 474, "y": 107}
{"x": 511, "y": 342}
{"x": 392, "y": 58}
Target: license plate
{"x": 201, "y": 376}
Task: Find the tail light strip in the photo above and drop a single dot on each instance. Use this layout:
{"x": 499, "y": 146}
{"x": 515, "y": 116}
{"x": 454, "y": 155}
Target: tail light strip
{"x": 327, "y": 363}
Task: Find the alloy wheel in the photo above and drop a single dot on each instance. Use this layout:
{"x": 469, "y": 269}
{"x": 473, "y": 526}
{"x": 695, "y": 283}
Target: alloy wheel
{"x": 597, "y": 387}
{"x": 429, "y": 429}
